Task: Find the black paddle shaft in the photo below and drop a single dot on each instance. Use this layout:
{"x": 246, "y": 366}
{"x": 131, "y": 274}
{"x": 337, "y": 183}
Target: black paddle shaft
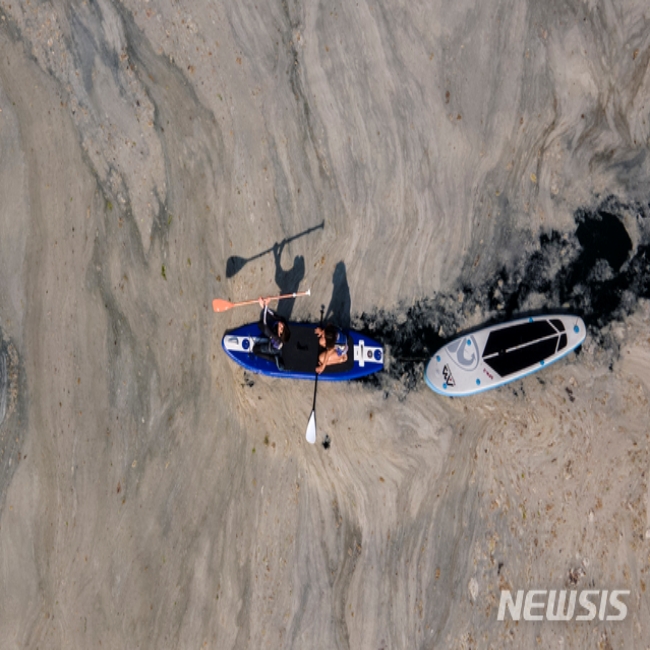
{"x": 313, "y": 408}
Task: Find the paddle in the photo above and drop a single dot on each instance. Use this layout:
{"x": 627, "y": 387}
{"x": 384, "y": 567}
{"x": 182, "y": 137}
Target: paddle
{"x": 219, "y": 305}
{"x": 234, "y": 264}
{"x": 311, "y": 425}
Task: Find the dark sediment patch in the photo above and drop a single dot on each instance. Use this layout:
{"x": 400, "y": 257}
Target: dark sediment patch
{"x": 593, "y": 272}
{"x": 9, "y": 375}
{"x": 4, "y": 383}
{"x": 12, "y": 415}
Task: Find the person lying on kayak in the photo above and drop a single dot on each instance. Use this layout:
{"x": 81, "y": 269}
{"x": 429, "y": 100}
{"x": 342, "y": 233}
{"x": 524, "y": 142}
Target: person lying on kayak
{"x": 276, "y": 333}
{"x": 334, "y": 344}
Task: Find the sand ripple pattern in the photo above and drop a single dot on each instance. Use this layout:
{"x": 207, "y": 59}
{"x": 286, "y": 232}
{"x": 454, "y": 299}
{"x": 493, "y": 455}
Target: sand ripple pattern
{"x": 470, "y": 162}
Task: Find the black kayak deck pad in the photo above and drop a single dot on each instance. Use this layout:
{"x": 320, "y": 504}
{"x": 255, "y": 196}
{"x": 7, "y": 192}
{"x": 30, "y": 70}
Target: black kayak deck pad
{"x": 300, "y": 352}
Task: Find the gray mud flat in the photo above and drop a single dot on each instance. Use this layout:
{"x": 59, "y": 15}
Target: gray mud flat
{"x": 463, "y": 159}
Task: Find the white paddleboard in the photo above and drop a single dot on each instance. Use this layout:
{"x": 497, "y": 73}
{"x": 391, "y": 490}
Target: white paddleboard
{"x": 502, "y": 353}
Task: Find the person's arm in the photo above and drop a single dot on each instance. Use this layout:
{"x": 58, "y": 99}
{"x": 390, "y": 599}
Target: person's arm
{"x": 264, "y": 303}
{"x": 264, "y": 326}
{"x": 269, "y": 329}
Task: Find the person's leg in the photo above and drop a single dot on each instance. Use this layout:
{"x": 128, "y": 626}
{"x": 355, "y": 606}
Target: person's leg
{"x": 335, "y": 359}
{"x": 322, "y": 361}
{"x": 263, "y": 349}
{"x": 266, "y": 351}
{"x": 257, "y": 344}
{"x": 331, "y": 358}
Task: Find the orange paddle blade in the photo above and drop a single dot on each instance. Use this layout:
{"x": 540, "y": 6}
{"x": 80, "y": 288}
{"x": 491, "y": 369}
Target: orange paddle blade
{"x": 219, "y": 305}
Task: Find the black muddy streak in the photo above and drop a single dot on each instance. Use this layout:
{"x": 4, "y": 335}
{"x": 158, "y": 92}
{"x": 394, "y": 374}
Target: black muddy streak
{"x": 13, "y": 414}
{"x": 594, "y": 272}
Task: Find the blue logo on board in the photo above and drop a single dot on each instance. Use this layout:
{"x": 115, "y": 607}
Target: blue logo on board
{"x": 464, "y": 352}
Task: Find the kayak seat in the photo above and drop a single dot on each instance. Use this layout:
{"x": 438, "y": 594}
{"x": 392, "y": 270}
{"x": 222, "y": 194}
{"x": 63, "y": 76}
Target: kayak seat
{"x": 300, "y": 352}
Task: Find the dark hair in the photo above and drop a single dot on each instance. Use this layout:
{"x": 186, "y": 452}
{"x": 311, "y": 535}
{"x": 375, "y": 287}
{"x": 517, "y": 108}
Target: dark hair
{"x": 330, "y": 336}
{"x": 286, "y": 333}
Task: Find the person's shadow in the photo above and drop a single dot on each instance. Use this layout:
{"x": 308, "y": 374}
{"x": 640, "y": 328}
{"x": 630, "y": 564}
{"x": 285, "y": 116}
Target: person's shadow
{"x": 338, "y": 311}
{"x": 288, "y": 281}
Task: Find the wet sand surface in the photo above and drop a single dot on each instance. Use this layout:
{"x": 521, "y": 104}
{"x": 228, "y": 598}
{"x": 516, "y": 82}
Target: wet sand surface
{"x": 470, "y": 162}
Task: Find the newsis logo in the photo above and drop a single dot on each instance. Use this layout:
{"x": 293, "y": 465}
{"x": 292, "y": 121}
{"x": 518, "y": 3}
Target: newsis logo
{"x": 551, "y": 605}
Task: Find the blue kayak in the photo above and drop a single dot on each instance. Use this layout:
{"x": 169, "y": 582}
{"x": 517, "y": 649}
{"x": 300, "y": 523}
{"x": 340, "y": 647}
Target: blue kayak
{"x": 300, "y": 354}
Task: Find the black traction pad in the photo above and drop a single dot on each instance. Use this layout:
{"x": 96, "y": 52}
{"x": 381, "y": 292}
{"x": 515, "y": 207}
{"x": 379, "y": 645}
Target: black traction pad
{"x": 300, "y": 352}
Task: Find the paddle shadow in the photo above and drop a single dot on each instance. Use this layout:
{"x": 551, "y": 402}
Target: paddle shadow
{"x": 235, "y": 263}
{"x": 338, "y": 311}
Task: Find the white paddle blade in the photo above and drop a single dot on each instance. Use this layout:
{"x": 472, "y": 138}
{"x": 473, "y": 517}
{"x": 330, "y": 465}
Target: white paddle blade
{"x": 311, "y": 429}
